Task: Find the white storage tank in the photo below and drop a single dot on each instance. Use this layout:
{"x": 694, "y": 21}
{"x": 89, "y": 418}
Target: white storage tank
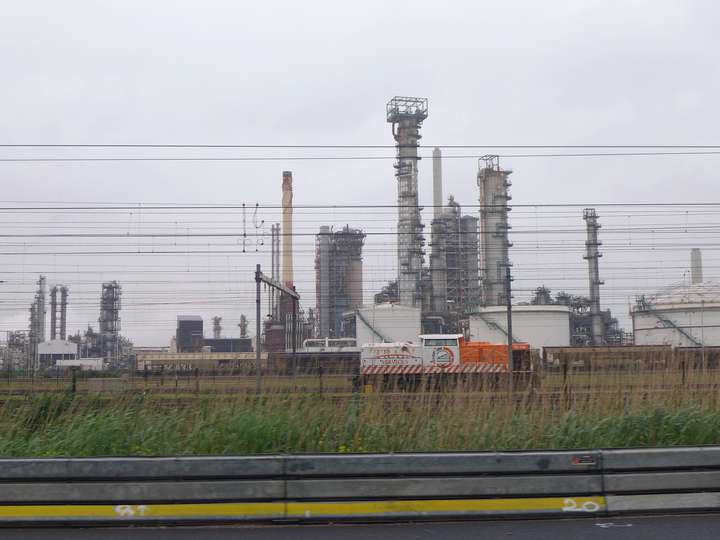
{"x": 681, "y": 315}
{"x": 540, "y": 326}
{"x": 379, "y": 323}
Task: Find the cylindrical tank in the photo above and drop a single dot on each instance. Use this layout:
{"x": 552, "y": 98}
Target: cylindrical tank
{"x": 387, "y": 323}
{"x": 540, "y": 326}
{"x": 681, "y": 315}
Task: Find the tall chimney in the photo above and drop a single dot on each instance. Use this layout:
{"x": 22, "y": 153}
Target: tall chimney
{"x": 437, "y": 183}
{"x": 63, "y": 312}
{"x": 696, "y": 270}
{"x": 287, "y": 229}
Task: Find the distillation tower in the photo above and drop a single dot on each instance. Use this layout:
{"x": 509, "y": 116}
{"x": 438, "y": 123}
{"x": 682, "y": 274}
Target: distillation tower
{"x": 109, "y": 320}
{"x": 339, "y": 281}
{"x": 438, "y": 253}
{"x": 58, "y": 312}
{"x": 406, "y": 115}
{"x": 592, "y": 254}
{"x": 494, "y": 227}
{"x": 37, "y": 320}
{"x": 217, "y": 327}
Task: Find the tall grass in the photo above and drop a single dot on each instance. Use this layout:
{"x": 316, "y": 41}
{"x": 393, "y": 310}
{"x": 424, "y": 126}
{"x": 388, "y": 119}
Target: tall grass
{"x": 87, "y": 425}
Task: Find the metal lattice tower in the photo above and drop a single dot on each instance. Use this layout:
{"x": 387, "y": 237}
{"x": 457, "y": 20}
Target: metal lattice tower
{"x": 110, "y": 320}
{"x": 592, "y": 255}
{"x": 406, "y": 115}
{"x": 494, "y": 227}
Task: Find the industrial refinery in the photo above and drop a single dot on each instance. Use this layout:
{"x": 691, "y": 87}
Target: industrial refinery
{"x": 464, "y": 285}
{"x": 452, "y": 278}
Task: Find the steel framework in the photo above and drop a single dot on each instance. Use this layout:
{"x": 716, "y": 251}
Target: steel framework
{"x": 592, "y": 256}
{"x": 406, "y": 115}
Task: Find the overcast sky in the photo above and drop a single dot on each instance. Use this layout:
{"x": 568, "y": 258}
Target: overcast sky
{"x": 211, "y": 72}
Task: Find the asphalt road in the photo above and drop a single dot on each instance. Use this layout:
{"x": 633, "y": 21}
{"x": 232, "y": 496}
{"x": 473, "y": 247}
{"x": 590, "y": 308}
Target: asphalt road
{"x": 695, "y": 527}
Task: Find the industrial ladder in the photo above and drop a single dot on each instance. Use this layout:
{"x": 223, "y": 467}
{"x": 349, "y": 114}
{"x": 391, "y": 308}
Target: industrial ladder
{"x": 670, "y": 323}
{"x": 493, "y": 324}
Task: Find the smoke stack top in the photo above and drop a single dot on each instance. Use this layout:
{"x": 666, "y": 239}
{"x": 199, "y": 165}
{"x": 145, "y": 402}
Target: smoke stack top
{"x": 696, "y": 270}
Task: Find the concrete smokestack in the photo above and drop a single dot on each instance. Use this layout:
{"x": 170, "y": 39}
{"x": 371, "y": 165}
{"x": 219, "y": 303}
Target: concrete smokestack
{"x": 287, "y": 229}
{"x": 696, "y": 270}
{"x": 437, "y": 183}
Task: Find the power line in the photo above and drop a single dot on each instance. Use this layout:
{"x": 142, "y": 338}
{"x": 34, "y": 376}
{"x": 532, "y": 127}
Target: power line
{"x": 139, "y": 207}
{"x": 348, "y": 158}
{"x": 362, "y": 146}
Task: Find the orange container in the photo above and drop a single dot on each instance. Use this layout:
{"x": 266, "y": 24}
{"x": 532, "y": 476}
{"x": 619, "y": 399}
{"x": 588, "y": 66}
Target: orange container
{"x": 483, "y": 352}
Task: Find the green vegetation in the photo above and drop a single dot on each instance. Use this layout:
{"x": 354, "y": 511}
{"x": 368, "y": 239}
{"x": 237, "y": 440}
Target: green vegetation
{"x": 86, "y": 425}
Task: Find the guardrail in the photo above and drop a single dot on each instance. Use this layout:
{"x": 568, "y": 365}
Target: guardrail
{"x": 358, "y": 486}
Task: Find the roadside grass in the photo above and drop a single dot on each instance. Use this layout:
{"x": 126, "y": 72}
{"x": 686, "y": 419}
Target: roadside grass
{"x": 82, "y": 425}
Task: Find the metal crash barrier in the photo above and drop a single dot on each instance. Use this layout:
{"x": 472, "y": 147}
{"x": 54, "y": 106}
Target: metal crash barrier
{"x": 334, "y": 487}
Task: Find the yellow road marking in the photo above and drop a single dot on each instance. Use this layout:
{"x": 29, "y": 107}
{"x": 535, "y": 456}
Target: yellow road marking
{"x": 379, "y": 508}
{"x": 151, "y": 511}
{"x": 274, "y": 510}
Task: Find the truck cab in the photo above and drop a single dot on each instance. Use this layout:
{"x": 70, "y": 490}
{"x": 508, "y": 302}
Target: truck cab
{"x": 441, "y": 350}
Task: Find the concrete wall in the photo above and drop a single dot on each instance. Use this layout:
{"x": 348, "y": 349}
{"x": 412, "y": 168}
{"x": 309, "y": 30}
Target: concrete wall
{"x": 540, "y": 326}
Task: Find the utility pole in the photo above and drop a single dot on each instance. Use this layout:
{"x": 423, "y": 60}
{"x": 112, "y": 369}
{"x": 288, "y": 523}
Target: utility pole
{"x": 508, "y": 301}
